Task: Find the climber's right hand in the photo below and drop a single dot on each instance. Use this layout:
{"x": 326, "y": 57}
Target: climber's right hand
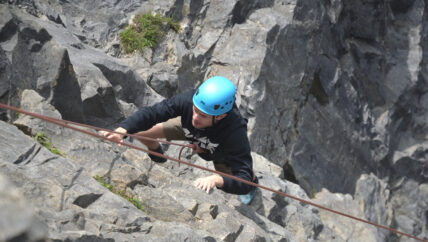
{"x": 115, "y": 137}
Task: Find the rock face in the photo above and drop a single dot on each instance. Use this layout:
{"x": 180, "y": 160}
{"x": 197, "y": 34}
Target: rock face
{"x": 335, "y": 93}
{"x": 71, "y": 205}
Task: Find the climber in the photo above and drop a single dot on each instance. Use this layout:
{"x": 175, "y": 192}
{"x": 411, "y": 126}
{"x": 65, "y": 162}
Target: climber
{"x": 209, "y": 119}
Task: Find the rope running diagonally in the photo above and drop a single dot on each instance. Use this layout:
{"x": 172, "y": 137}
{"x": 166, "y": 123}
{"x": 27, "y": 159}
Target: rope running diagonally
{"x": 66, "y": 124}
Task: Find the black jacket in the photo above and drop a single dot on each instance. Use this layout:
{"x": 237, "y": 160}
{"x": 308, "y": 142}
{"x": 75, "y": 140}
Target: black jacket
{"x": 226, "y": 141}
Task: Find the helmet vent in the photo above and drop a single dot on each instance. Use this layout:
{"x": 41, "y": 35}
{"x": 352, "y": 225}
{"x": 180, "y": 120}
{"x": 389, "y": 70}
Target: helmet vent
{"x": 216, "y": 106}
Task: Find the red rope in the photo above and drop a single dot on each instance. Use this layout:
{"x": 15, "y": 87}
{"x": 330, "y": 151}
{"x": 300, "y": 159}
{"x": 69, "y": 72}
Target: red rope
{"x": 66, "y": 123}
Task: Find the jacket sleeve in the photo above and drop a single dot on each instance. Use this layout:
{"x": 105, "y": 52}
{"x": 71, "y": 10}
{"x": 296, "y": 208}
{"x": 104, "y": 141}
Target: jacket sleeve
{"x": 241, "y": 163}
{"x": 147, "y": 117}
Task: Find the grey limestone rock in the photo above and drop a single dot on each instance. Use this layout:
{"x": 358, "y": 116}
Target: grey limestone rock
{"x": 335, "y": 94}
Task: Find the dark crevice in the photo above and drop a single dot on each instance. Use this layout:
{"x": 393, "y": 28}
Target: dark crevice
{"x": 28, "y": 156}
{"x": 42, "y": 35}
{"x": 318, "y": 228}
{"x": 81, "y": 38}
{"x": 108, "y": 174}
{"x": 142, "y": 180}
{"x": 244, "y": 8}
{"x": 21, "y": 237}
{"x": 277, "y": 212}
{"x": 86, "y": 238}
{"x": 78, "y": 46}
{"x": 289, "y": 173}
{"x": 85, "y": 200}
{"x": 426, "y": 220}
{"x": 176, "y": 10}
{"x": 24, "y": 156}
{"x": 209, "y": 239}
{"x": 253, "y": 215}
{"x": 129, "y": 88}
{"x": 68, "y": 187}
{"x": 47, "y": 160}
{"x": 66, "y": 96}
{"x": 401, "y": 6}
{"x": 233, "y": 236}
{"x": 9, "y": 30}
{"x": 318, "y": 91}
{"x": 56, "y": 19}
{"x": 219, "y": 63}
{"x": 272, "y": 34}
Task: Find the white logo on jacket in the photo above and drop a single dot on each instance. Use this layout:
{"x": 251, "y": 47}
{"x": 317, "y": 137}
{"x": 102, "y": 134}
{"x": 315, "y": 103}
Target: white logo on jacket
{"x": 202, "y": 142}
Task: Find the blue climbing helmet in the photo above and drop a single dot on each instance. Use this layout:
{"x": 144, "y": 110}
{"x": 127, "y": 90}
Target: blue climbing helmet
{"x": 215, "y": 96}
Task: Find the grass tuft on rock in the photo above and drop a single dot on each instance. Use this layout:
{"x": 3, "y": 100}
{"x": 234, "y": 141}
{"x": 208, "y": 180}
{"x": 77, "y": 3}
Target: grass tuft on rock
{"x": 47, "y": 143}
{"x": 135, "y": 201}
{"x": 145, "y": 31}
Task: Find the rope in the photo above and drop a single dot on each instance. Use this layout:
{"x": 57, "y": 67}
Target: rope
{"x": 66, "y": 124}
{"x": 179, "y": 154}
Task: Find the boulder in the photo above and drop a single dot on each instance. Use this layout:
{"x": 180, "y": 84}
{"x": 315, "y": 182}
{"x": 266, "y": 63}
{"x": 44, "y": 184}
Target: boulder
{"x": 18, "y": 220}
{"x": 345, "y": 229}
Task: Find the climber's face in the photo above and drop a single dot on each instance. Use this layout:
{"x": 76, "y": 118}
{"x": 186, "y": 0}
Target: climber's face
{"x": 201, "y": 120}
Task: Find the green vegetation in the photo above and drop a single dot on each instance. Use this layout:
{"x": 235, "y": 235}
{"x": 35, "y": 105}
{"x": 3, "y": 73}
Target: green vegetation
{"x": 46, "y": 142}
{"x": 104, "y": 184}
{"x": 146, "y": 31}
{"x": 313, "y": 193}
{"x": 135, "y": 201}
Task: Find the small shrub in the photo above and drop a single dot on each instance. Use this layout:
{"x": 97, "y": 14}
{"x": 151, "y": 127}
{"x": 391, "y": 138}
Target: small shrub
{"x": 46, "y": 142}
{"x": 146, "y": 31}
